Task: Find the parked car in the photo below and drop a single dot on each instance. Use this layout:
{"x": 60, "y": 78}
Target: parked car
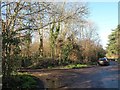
{"x": 103, "y": 61}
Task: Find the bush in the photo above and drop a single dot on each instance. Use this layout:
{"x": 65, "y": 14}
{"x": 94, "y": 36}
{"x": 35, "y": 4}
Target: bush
{"x": 19, "y": 81}
{"x": 45, "y": 63}
{"x": 26, "y": 61}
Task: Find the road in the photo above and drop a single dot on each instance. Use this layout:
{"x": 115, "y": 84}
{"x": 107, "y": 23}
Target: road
{"x": 97, "y": 77}
{"x": 94, "y": 77}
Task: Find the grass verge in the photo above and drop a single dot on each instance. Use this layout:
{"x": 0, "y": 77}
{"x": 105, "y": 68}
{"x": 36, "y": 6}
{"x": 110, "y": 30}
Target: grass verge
{"x": 19, "y": 81}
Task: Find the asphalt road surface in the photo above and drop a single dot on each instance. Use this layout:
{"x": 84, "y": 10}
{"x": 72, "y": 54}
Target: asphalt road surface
{"x": 97, "y": 77}
{"x": 94, "y": 77}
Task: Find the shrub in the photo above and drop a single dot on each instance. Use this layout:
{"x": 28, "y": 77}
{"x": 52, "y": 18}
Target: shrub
{"x": 19, "y": 81}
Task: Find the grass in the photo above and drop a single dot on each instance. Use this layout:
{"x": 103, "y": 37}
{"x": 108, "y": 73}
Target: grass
{"x": 20, "y": 80}
{"x": 75, "y": 66}
{"x": 70, "y": 66}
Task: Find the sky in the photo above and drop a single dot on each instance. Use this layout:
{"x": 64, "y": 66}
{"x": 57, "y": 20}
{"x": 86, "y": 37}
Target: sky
{"x": 105, "y": 16}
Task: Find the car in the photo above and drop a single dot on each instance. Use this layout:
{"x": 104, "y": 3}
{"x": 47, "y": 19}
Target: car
{"x": 103, "y": 62}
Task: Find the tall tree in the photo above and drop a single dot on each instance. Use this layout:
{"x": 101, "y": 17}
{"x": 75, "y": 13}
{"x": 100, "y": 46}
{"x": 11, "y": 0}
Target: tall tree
{"x": 15, "y": 23}
{"x": 113, "y": 45}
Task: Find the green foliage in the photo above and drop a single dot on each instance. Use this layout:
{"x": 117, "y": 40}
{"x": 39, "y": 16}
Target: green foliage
{"x": 11, "y": 49}
{"x": 26, "y": 61}
{"x": 113, "y": 45}
{"x": 101, "y": 53}
{"x": 75, "y": 66}
{"x": 28, "y": 82}
{"x": 20, "y": 81}
{"x": 66, "y": 50}
{"x": 54, "y": 32}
